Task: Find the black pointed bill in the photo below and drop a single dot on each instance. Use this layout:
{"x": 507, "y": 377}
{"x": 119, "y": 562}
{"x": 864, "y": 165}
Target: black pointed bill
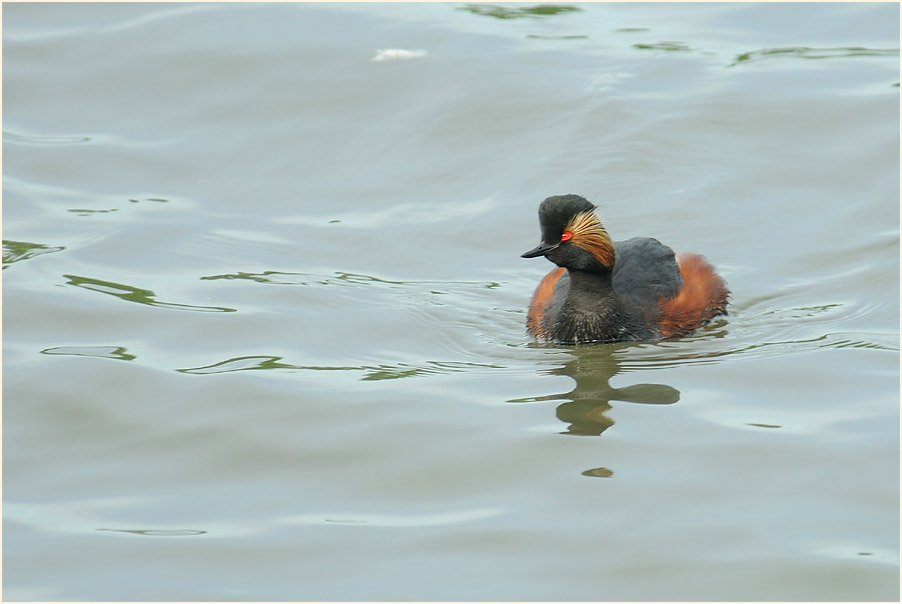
{"x": 540, "y": 250}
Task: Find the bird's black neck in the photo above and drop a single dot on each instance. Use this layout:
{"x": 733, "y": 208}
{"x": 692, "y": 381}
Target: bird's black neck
{"x": 593, "y": 311}
{"x": 595, "y": 284}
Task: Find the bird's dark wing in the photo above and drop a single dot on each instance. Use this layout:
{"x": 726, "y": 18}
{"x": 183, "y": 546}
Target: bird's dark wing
{"x": 645, "y": 271}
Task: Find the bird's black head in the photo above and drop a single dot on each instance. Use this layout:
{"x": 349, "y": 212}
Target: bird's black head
{"x": 556, "y": 212}
{"x": 572, "y": 235}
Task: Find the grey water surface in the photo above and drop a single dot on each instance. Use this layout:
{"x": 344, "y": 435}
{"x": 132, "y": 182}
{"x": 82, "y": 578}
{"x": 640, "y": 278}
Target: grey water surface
{"x": 263, "y": 305}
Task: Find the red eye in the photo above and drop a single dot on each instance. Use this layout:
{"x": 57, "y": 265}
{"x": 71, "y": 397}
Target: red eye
{"x": 567, "y": 235}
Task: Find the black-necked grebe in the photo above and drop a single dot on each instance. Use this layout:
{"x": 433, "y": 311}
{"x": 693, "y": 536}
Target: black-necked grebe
{"x": 603, "y": 291}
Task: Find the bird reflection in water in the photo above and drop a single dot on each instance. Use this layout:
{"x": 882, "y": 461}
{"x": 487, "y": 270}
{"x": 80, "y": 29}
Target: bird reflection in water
{"x": 586, "y": 408}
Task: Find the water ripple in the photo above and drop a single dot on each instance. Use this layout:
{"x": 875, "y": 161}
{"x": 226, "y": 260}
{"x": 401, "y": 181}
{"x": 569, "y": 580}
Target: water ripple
{"x": 805, "y": 52}
{"x": 519, "y": 12}
{"x": 668, "y": 46}
{"x": 102, "y": 352}
{"x": 136, "y": 294}
{"x": 371, "y": 372}
{"x": 44, "y": 139}
{"x": 338, "y": 278}
{"x": 157, "y": 532}
{"x": 15, "y": 251}
{"x": 396, "y": 520}
{"x": 767, "y": 333}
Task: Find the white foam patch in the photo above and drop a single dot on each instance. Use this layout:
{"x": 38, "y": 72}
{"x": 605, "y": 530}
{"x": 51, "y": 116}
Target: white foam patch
{"x": 397, "y": 54}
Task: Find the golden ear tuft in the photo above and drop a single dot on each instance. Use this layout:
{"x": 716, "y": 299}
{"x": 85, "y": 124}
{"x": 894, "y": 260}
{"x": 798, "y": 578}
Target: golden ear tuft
{"x": 588, "y": 234}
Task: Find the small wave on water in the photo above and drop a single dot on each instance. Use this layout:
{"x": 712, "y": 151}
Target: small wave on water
{"x": 504, "y": 12}
{"x": 337, "y": 278}
{"x": 394, "y": 520}
{"x": 804, "y": 52}
{"x": 44, "y": 139}
{"x": 102, "y": 352}
{"x": 139, "y": 295}
{"x": 760, "y": 330}
{"x": 370, "y": 372}
{"x": 16, "y": 251}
